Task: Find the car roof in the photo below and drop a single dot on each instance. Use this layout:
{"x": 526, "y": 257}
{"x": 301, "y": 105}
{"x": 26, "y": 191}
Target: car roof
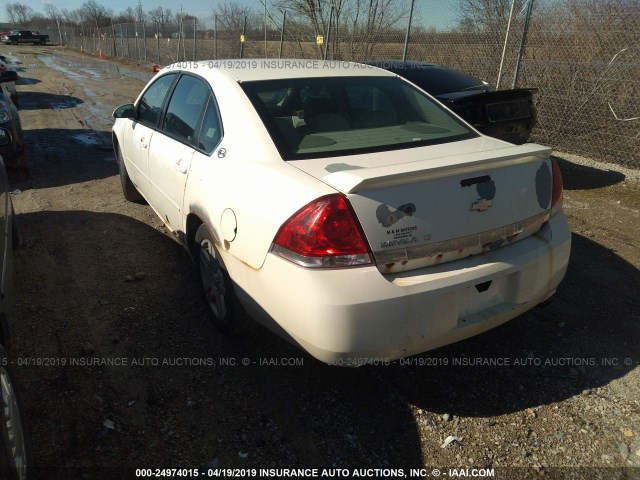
{"x": 435, "y": 79}
{"x": 246, "y": 70}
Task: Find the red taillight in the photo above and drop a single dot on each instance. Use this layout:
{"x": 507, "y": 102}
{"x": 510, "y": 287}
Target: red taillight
{"x": 556, "y": 195}
{"x": 324, "y": 233}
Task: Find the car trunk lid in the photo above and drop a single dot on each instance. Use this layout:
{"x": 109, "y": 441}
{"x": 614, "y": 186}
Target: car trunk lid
{"x": 442, "y": 203}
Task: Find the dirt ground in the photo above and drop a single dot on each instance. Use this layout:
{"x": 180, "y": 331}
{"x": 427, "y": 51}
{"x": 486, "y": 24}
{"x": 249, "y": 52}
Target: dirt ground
{"x": 119, "y": 369}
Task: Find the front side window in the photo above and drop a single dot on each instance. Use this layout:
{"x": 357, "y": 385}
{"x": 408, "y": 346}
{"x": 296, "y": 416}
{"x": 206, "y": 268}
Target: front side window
{"x": 185, "y": 108}
{"x": 150, "y": 104}
{"x": 328, "y": 116}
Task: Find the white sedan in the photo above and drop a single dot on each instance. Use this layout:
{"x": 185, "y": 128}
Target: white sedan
{"x": 342, "y": 206}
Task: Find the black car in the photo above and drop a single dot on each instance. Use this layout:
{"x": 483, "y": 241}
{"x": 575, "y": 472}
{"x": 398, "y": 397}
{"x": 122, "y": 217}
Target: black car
{"x": 505, "y": 114}
{"x": 11, "y": 140}
{"x": 14, "y": 454}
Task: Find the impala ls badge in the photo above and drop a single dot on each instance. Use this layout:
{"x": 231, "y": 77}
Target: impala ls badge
{"x": 482, "y": 205}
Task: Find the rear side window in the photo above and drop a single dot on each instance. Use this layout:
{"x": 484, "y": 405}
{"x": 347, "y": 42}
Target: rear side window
{"x": 211, "y": 131}
{"x": 185, "y": 108}
{"x": 150, "y": 104}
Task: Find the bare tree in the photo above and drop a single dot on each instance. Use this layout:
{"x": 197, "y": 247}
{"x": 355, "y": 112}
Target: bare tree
{"x": 128, "y": 15}
{"x": 72, "y": 17}
{"x": 230, "y": 15}
{"x": 52, "y": 11}
{"x": 316, "y": 12}
{"x": 55, "y": 15}
{"x": 358, "y": 24}
{"x": 97, "y": 14}
{"x": 484, "y": 23}
{"x": 370, "y": 21}
{"x": 38, "y": 20}
{"x": 486, "y": 15}
{"x": 140, "y": 16}
{"x": 19, "y": 13}
{"x": 160, "y": 16}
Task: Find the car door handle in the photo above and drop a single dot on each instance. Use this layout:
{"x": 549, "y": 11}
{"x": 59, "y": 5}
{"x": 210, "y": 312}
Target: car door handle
{"x": 180, "y": 167}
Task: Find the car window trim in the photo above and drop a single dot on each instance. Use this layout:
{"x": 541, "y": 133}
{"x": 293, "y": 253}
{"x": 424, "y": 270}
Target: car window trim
{"x": 194, "y": 142}
{"x": 212, "y": 98}
{"x": 164, "y": 103}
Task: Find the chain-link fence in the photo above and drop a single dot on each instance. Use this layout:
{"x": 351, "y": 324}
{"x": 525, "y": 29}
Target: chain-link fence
{"x": 583, "y": 56}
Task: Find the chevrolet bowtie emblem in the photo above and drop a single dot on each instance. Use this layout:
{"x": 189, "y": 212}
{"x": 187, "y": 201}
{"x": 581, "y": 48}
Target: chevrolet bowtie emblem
{"x": 482, "y": 205}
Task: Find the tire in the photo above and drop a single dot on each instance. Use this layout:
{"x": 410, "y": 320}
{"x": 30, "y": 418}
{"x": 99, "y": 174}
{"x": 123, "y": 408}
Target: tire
{"x": 14, "y": 452}
{"x": 131, "y": 193}
{"x": 225, "y": 311}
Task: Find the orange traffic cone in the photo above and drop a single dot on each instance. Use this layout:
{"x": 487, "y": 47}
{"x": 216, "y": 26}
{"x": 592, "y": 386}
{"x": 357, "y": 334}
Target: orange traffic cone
{"x": 100, "y": 54}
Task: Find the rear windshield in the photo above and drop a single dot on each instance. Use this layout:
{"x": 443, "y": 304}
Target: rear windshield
{"x": 331, "y": 116}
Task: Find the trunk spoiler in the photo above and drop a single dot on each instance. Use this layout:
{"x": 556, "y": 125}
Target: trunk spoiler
{"x": 361, "y": 179}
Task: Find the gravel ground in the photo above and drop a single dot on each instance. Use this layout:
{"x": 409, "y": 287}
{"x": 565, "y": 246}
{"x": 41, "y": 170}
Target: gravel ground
{"x": 555, "y": 392}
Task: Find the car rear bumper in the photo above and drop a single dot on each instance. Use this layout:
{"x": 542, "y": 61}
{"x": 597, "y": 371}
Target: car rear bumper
{"x": 352, "y": 316}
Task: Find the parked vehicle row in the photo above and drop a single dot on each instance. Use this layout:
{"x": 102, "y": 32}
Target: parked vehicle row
{"x": 11, "y": 138}
{"x": 14, "y": 454}
{"x": 13, "y": 445}
{"x": 11, "y": 86}
{"x": 342, "y": 206}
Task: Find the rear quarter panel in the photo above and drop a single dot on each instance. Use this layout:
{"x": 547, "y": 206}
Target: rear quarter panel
{"x": 246, "y": 174}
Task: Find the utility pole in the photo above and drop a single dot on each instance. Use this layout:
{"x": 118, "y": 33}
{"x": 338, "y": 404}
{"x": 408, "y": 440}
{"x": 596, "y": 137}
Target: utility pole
{"x": 523, "y": 44}
{"x": 140, "y": 12}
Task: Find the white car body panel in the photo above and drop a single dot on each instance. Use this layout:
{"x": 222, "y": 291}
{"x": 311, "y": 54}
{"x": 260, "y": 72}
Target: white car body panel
{"x": 359, "y": 314}
{"x": 262, "y": 201}
{"x": 443, "y": 210}
{"x": 168, "y": 177}
{"x": 244, "y": 192}
{"x": 135, "y": 138}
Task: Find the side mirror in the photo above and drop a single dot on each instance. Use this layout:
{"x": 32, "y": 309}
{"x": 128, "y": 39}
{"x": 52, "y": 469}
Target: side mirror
{"x": 8, "y": 76}
{"x": 125, "y": 111}
{"x": 5, "y": 137}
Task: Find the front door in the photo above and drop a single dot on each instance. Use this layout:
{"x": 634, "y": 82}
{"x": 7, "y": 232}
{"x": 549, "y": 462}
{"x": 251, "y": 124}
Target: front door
{"x": 139, "y": 131}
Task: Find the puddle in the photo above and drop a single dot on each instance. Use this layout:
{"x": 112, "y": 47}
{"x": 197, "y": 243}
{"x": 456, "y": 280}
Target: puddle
{"x": 63, "y": 105}
{"x": 93, "y": 74}
{"x": 93, "y": 140}
{"x": 50, "y": 62}
{"x": 87, "y": 74}
{"x": 94, "y": 69}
